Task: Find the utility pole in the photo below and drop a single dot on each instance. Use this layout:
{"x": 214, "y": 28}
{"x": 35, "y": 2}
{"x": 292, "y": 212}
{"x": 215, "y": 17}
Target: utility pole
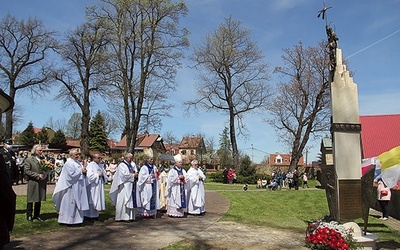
{"x": 252, "y": 153}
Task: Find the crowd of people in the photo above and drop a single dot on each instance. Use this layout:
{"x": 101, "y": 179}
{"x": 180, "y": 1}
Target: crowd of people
{"x": 79, "y": 191}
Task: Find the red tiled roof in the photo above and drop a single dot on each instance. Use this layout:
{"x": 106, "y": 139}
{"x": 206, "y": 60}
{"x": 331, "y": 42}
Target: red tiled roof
{"x": 73, "y": 143}
{"x": 191, "y": 142}
{"x": 148, "y": 140}
{"x": 285, "y": 158}
{"x": 379, "y": 133}
{"x": 121, "y": 143}
{"x": 143, "y": 140}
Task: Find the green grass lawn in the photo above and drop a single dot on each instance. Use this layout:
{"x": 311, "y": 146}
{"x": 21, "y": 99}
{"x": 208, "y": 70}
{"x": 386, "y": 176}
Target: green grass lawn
{"x": 286, "y": 209}
{"x": 278, "y": 209}
{"x": 49, "y": 214}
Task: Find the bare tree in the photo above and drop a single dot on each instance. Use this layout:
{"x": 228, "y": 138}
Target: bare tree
{"x": 73, "y": 127}
{"x": 232, "y": 77}
{"x": 59, "y": 124}
{"x": 145, "y": 45}
{"x": 24, "y": 64}
{"x": 82, "y": 72}
{"x": 210, "y": 145}
{"x": 170, "y": 138}
{"x": 300, "y": 107}
{"x": 111, "y": 123}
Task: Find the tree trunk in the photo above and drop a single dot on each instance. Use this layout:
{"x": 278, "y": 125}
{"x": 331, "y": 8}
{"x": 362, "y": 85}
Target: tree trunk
{"x": 85, "y": 131}
{"x": 9, "y": 116}
{"x": 235, "y": 154}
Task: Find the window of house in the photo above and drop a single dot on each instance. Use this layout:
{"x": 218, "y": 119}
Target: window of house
{"x": 278, "y": 159}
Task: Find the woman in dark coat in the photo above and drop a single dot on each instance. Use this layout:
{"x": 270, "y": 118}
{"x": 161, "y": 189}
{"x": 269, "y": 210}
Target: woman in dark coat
{"x": 7, "y": 204}
{"x": 36, "y": 183}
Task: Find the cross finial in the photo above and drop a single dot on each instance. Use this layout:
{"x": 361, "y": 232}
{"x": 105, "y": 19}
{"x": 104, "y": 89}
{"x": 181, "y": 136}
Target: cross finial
{"x": 322, "y": 13}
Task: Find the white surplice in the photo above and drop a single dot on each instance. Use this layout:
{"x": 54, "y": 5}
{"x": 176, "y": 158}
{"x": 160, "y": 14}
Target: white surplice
{"x": 195, "y": 192}
{"x": 70, "y": 194}
{"x": 148, "y": 199}
{"x": 121, "y": 192}
{"x": 176, "y": 197}
{"x": 95, "y": 189}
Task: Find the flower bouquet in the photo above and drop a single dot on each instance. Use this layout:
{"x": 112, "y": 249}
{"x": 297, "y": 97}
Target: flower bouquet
{"x": 328, "y": 236}
{"x": 46, "y": 166}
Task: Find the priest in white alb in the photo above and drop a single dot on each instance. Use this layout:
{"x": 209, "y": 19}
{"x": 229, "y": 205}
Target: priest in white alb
{"x": 123, "y": 190}
{"x": 195, "y": 190}
{"x": 176, "y": 189}
{"x": 148, "y": 189}
{"x": 70, "y": 194}
{"x": 96, "y": 178}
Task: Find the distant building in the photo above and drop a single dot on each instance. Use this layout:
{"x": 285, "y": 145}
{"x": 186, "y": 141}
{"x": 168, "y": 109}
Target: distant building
{"x": 172, "y": 149}
{"x": 143, "y": 141}
{"x": 282, "y": 161}
{"x": 192, "y": 147}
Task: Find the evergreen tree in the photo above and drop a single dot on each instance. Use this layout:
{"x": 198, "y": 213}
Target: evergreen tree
{"x": 59, "y": 140}
{"x": 28, "y": 136}
{"x": 246, "y": 169}
{"x": 97, "y": 134}
{"x": 43, "y": 137}
{"x": 224, "y": 152}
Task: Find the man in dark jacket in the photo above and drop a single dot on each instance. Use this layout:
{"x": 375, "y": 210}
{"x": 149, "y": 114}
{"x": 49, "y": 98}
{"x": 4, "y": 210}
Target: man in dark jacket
{"x": 10, "y": 158}
{"x": 7, "y": 204}
{"x": 37, "y": 182}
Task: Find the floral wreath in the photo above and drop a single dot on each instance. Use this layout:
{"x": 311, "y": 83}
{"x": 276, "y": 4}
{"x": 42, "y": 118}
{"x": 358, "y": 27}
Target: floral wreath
{"x": 323, "y": 235}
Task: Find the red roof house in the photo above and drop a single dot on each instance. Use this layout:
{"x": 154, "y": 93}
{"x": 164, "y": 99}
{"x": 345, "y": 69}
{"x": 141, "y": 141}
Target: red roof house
{"x": 143, "y": 141}
{"x": 283, "y": 160}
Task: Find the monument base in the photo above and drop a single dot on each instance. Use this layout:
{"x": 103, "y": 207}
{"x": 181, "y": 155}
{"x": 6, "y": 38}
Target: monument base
{"x": 365, "y": 242}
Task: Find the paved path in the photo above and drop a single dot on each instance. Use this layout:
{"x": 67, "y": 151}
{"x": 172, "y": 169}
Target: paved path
{"x": 150, "y": 234}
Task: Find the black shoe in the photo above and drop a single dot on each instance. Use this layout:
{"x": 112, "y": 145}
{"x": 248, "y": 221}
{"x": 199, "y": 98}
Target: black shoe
{"x": 39, "y": 219}
{"x": 29, "y": 218}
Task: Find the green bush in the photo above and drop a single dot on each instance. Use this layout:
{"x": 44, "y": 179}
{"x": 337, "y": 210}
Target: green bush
{"x": 252, "y": 179}
{"x": 216, "y": 177}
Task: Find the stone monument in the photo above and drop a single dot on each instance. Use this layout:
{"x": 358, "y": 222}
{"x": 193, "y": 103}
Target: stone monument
{"x": 345, "y": 179}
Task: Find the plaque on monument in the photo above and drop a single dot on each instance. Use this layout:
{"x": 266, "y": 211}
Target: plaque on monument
{"x": 350, "y": 200}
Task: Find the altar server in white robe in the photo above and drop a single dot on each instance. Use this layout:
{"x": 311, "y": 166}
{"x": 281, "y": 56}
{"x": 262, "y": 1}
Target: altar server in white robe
{"x": 195, "y": 190}
{"x": 176, "y": 189}
{"x": 70, "y": 194}
{"x": 123, "y": 190}
{"x": 162, "y": 181}
{"x": 96, "y": 178}
{"x": 148, "y": 188}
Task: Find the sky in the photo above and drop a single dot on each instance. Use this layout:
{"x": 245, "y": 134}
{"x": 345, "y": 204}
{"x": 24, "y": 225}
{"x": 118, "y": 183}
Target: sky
{"x": 368, "y": 31}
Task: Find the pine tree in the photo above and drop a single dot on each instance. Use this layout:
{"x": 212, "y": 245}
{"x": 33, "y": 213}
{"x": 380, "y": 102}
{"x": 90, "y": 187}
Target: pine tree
{"x": 246, "y": 169}
{"x": 97, "y": 134}
{"x": 59, "y": 140}
{"x": 225, "y": 152}
{"x": 28, "y": 136}
{"x": 43, "y": 137}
